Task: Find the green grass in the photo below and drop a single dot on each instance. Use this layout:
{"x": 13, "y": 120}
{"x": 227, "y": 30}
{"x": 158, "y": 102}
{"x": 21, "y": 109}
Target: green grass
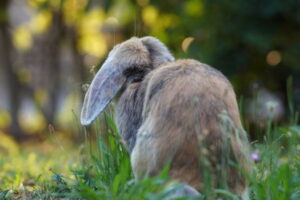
{"x": 100, "y": 169}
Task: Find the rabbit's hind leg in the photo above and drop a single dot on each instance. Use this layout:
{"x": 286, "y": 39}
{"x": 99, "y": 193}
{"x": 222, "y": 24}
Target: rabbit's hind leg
{"x": 185, "y": 191}
{"x": 143, "y": 156}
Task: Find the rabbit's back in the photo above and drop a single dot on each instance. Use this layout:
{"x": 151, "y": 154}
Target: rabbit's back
{"x": 182, "y": 121}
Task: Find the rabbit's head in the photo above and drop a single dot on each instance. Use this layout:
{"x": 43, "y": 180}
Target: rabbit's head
{"x": 126, "y": 62}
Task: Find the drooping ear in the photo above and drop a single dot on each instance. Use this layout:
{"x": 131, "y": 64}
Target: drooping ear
{"x": 105, "y": 85}
{"x": 159, "y": 53}
{"x": 111, "y": 77}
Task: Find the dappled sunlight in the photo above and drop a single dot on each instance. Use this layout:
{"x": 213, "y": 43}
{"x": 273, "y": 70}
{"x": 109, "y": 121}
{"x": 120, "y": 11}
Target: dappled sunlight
{"x": 5, "y": 119}
{"x": 41, "y": 22}
{"x": 8, "y": 146}
{"x": 158, "y": 22}
{"x": 150, "y": 14}
{"x": 32, "y": 121}
{"x": 22, "y": 38}
{"x": 74, "y": 10}
{"x": 34, "y": 164}
{"x": 123, "y": 11}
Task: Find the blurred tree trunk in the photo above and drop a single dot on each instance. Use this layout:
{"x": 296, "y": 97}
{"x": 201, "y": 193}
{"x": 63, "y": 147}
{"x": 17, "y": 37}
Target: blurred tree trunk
{"x": 12, "y": 78}
{"x": 54, "y": 37}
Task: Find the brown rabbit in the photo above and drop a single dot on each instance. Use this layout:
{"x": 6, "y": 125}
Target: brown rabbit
{"x": 180, "y": 111}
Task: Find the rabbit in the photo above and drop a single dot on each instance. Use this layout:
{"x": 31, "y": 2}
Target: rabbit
{"x": 179, "y": 112}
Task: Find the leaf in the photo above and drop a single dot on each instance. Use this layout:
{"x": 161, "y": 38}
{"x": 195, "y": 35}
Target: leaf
{"x": 58, "y": 179}
{"x": 227, "y": 194}
{"x": 3, "y": 194}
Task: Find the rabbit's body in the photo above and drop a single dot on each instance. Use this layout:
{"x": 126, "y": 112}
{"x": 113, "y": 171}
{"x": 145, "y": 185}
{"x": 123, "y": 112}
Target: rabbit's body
{"x": 176, "y": 108}
{"x": 180, "y": 111}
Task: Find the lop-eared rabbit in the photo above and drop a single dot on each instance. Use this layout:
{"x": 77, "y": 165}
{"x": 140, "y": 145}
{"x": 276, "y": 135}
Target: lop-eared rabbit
{"x": 179, "y": 112}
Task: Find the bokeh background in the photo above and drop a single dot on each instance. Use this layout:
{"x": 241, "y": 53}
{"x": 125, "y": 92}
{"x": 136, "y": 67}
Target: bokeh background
{"x": 49, "y": 50}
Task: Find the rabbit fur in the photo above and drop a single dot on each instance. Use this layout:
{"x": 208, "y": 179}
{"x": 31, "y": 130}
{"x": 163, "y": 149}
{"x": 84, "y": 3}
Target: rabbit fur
{"x": 183, "y": 112}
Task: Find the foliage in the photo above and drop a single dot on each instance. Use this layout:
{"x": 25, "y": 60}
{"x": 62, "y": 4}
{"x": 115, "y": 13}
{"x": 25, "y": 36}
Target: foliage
{"x": 101, "y": 170}
{"x": 250, "y": 41}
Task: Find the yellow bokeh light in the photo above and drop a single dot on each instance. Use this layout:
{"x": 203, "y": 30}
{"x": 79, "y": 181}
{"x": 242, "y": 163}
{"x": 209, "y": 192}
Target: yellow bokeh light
{"x": 194, "y": 8}
{"x": 93, "y": 44}
{"x": 57, "y": 3}
{"x": 142, "y": 2}
{"x": 33, "y": 123}
{"x": 73, "y": 10}
{"x": 150, "y": 15}
{"x": 22, "y": 38}
{"x": 41, "y": 96}
{"x": 5, "y": 119}
{"x": 92, "y": 21}
{"x": 168, "y": 20}
{"x": 69, "y": 111}
{"x": 186, "y": 43}
{"x": 123, "y": 11}
{"x": 112, "y": 21}
{"x": 40, "y": 22}
{"x": 158, "y": 22}
{"x": 273, "y": 58}
{"x": 91, "y": 40}
{"x": 35, "y": 3}
{"x": 7, "y": 145}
